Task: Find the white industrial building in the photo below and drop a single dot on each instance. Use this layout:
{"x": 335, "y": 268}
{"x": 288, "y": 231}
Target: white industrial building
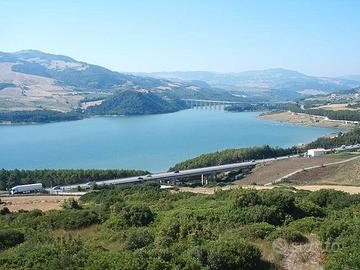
{"x": 318, "y": 152}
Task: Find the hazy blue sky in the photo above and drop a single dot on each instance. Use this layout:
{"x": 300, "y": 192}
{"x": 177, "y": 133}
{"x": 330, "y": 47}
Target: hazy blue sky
{"x": 319, "y": 37}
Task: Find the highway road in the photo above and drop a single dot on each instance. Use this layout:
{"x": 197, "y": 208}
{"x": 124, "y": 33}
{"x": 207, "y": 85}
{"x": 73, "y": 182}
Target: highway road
{"x": 191, "y": 172}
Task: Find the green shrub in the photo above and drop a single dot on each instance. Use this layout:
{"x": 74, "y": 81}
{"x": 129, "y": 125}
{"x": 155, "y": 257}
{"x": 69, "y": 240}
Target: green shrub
{"x": 253, "y": 231}
{"x": 231, "y": 254}
{"x": 331, "y": 198}
{"x": 255, "y": 214}
{"x": 306, "y": 225}
{"x": 124, "y": 260}
{"x": 288, "y": 234}
{"x": 309, "y": 208}
{"x": 284, "y": 200}
{"x": 138, "y": 238}
{"x": 10, "y": 238}
{"x": 246, "y": 198}
{"x": 70, "y": 203}
{"x": 4, "y": 211}
{"x": 137, "y": 215}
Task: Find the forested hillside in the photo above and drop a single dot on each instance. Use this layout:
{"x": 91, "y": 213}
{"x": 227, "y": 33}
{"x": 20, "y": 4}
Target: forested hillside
{"x": 137, "y": 103}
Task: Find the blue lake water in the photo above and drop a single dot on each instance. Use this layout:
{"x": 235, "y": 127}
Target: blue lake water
{"x": 152, "y": 142}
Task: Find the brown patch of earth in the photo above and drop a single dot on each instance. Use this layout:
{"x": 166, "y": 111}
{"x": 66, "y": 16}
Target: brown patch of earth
{"x": 266, "y": 173}
{"x": 337, "y": 174}
{"x": 32, "y": 202}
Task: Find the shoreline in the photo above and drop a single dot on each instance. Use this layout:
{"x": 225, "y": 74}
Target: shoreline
{"x": 308, "y": 120}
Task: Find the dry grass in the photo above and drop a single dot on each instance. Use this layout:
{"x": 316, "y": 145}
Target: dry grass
{"x": 309, "y": 256}
{"x": 31, "y": 202}
{"x": 338, "y": 174}
{"x": 33, "y": 92}
{"x": 268, "y": 172}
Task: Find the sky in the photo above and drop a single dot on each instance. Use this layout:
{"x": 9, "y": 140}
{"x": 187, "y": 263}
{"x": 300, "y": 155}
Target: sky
{"x": 317, "y": 37}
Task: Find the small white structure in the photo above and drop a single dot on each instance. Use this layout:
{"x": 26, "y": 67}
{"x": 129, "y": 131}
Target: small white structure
{"x": 318, "y": 152}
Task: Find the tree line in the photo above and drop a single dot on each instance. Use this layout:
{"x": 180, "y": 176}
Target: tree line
{"x": 52, "y": 177}
{"x": 39, "y": 116}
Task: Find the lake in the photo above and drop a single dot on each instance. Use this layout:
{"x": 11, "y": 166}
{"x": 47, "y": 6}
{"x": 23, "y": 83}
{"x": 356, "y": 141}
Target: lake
{"x": 152, "y": 142}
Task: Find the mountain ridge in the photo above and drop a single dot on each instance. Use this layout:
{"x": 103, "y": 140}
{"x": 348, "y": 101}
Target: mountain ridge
{"x": 272, "y": 80}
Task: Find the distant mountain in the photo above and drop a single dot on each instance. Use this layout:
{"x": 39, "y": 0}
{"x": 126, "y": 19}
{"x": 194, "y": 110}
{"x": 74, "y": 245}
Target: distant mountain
{"x": 274, "y": 82}
{"x": 34, "y": 80}
{"x": 351, "y": 77}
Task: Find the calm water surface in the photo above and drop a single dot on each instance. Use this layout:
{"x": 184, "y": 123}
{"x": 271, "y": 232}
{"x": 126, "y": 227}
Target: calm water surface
{"x": 153, "y": 142}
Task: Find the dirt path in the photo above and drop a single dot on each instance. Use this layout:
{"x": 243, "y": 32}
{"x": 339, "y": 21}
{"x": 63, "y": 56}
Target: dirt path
{"x": 31, "y": 202}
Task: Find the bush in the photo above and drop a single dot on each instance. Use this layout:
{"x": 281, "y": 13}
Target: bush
{"x": 60, "y": 254}
{"x": 70, "y": 204}
{"x": 69, "y": 219}
{"x": 331, "y": 198}
{"x": 331, "y": 229}
{"x": 254, "y": 231}
{"x": 116, "y": 260}
{"x": 246, "y": 198}
{"x": 309, "y": 208}
{"x": 255, "y": 214}
{"x": 231, "y": 254}
{"x": 137, "y": 216}
{"x": 284, "y": 200}
{"x": 10, "y": 238}
{"x": 306, "y": 225}
{"x": 138, "y": 238}
{"x": 288, "y": 234}
{"x": 4, "y": 211}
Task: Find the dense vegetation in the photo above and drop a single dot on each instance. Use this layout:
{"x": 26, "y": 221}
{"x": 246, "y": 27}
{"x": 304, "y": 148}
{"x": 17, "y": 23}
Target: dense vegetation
{"x": 248, "y": 107}
{"x": 246, "y": 154}
{"x": 38, "y": 116}
{"x": 233, "y": 156}
{"x": 144, "y": 227}
{"x": 347, "y": 138}
{"x": 52, "y": 177}
{"x": 136, "y": 103}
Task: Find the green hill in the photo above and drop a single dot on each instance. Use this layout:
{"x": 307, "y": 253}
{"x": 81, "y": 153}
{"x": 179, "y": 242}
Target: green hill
{"x": 136, "y": 103}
